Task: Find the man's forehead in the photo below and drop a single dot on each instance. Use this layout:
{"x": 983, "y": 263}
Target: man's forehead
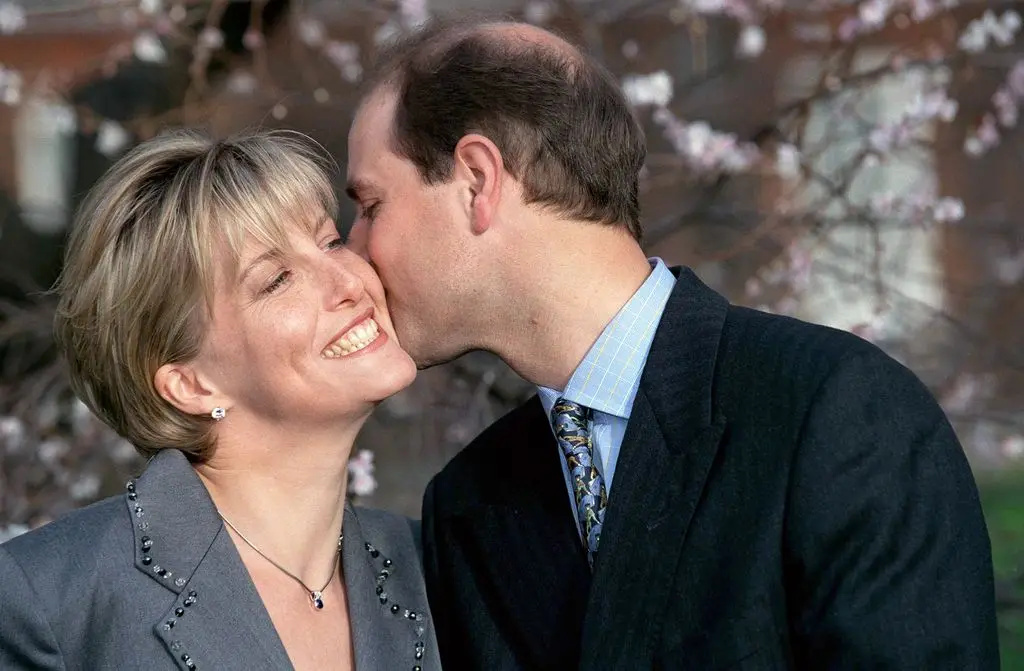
{"x": 368, "y": 139}
{"x": 374, "y": 115}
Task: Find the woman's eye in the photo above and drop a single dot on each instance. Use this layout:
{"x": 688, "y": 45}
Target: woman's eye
{"x": 276, "y": 283}
{"x": 336, "y": 243}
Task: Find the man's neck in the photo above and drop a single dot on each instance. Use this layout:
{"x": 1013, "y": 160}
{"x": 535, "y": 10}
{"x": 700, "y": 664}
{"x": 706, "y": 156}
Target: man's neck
{"x": 554, "y": 316}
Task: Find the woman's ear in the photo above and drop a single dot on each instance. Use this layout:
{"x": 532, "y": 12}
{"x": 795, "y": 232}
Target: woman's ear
{"x": 181, "y": 385}
{"x": 478, "y": 163}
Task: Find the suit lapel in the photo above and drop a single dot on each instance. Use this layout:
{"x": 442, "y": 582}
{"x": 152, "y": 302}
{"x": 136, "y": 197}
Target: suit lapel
{"x": 360, "y": 581}
{"x": 666, "y": 455}
{"x": 221, "y": 603}
{"x": 525, "y": 542}
{"x": 181, "y": 544}
{"x": 388, "y": 615}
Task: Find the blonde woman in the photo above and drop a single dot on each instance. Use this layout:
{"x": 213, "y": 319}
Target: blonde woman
{"x": 210, "y": 315}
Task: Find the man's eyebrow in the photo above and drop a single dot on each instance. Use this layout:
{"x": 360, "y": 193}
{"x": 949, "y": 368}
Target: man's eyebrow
{"x": 355, "y": 188}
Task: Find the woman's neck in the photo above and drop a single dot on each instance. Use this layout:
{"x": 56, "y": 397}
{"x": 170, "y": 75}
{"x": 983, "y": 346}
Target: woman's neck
{"x": 285, "y": 496}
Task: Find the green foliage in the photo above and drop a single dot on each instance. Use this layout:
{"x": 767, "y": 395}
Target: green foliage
{"x": 1002, "y": 497}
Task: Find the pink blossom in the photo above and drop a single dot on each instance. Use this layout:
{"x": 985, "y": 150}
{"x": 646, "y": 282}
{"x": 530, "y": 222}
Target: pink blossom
{"x": 253, "y": 39}
{"x": 923, "y": 10}
{"x": 148, "y": 48}
{"x": 12, "y": 431}
{"x": 848, "y": 29}
{"x": 1001, "y": 31}
{"x": 361, "y": 468}
{"x": 1013, "y": 446}
{"x": 799, "y": 266}
{"x": 211, "y": 38}
{"x": 787, "y": 161}
{"x": 751, "y": 42}
{"x": 151, "y": 6}
{"x": 1015, "y": 79}
{"x": 311, "y": 32}
{"x": 870, "y": 330}
{"x": 948, "y": 210}
{"x": 1009, "y": 270}
{"x": 111, "y": 138}
{"x": 12, "y": 18}
{"x": 10, "y": 86}
{"x": 341, "y": 53}
{"x": 987, "y": 131}
{"x": 414, "y": 12}
{"x": 241, "y": 82}
{"x": 538, "y": 12}
{"x": 646, "y": 90}
{"x": 873, "y": 13}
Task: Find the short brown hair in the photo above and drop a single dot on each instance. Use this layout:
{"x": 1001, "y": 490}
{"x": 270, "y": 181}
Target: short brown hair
{"x": 562, "y": 123}
{"x": 138, "y": 273}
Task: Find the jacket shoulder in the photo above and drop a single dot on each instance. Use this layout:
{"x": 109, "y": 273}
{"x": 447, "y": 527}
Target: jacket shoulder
{"x": 772, "y": 366}
{"x": 387, "y": 526}
{"x": 66, "y": 562}
{"x": 79, "y": 533}
{"x": 757, "y": 332}
{"x": 485, "y": 460}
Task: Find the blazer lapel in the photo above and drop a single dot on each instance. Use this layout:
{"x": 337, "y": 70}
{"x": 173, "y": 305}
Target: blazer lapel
{"x": 666, "y": 455}
{"x": 221, "y": 603}
{"x": 527, "y": 550}
{"x": 181, "y": 544}
{"x": 387, "y": 613}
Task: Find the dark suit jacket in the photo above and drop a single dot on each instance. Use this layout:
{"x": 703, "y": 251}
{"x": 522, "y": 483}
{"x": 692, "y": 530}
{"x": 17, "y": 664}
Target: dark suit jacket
{"x": 155, "y": 582}
{"x": 786, "y": 497}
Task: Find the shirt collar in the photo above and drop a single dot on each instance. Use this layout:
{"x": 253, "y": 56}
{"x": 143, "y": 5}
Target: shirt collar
{"x": 608, "y": 377}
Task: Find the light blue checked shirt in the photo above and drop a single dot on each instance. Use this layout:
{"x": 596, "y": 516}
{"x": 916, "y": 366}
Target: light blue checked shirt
{"x": 607, "y": 379}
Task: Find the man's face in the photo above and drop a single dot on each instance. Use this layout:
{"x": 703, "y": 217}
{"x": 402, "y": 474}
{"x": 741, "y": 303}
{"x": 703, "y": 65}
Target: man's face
{"x": 415, "y": 235}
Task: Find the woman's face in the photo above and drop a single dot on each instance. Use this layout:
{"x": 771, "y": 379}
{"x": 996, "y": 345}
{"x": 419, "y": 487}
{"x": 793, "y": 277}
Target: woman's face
{"x": 303, "y": 336}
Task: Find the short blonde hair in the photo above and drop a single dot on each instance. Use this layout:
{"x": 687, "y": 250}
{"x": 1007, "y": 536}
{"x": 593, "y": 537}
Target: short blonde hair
{"x": 137, "y": 283}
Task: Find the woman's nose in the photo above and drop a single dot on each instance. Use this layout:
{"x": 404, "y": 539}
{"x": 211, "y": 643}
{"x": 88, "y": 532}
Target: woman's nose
{"x": 345, "y": 285}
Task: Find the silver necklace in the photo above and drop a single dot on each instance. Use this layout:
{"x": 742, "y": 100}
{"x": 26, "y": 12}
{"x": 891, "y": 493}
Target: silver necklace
{"x": 316, "y": 596}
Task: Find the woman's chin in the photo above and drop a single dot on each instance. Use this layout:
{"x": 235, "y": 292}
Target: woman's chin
{"x": 391, "y": 378}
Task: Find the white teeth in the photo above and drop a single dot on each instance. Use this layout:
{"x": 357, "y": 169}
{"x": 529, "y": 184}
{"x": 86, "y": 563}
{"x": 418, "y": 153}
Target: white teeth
{"x": 355, "y": 339}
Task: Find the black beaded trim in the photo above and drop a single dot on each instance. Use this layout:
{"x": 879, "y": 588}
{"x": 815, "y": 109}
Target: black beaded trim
{"x": 145, "y": 545}
{"x": 416, "y": 618}
{"x": 179, "y": 613}
{"x": 185, "y": 657}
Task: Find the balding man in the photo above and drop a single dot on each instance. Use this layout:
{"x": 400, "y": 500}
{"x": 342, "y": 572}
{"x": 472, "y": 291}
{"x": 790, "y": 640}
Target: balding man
{"x": 696, "y": 485}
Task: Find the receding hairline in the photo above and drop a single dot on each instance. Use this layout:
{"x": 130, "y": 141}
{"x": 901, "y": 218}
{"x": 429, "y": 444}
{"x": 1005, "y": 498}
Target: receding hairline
{"x": 440, "y": 36}
{"x": 511, "y": 32}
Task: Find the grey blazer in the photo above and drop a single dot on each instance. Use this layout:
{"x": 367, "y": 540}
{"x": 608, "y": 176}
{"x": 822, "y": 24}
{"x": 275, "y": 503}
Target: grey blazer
{"x": 151, "y": 580}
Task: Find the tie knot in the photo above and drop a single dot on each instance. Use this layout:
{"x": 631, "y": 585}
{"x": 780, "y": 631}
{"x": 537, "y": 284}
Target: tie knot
{"x": 570, "y": 415}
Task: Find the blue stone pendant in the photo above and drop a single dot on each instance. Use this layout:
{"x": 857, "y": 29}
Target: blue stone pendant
{"x": 318, "y": 600}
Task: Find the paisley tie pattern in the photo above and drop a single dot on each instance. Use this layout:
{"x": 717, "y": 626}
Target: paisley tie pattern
{"x": 572, "y": 431}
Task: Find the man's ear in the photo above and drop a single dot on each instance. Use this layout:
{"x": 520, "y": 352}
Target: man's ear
{"x": 181, "y": 385}
{"x": 478, "y": 164}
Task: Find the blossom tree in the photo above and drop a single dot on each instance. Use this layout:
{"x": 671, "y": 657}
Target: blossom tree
{"x": 800, "y": 147}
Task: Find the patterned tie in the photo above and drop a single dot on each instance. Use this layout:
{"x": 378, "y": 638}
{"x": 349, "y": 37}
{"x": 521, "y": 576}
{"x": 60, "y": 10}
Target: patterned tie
{"x": 572, "y": 431}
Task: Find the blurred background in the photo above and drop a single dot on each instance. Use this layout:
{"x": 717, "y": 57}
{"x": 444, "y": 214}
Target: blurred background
{"x": 850, "y": 163}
